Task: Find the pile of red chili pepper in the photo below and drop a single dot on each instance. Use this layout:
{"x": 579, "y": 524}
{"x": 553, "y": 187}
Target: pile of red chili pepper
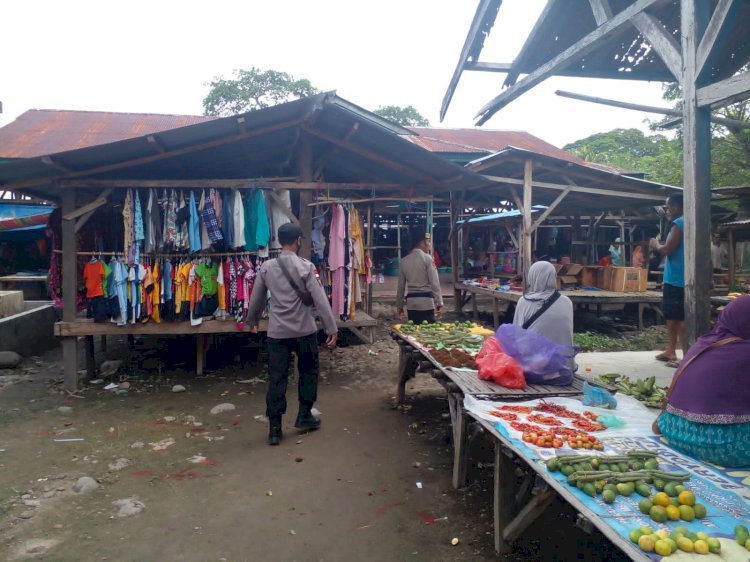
{"x": 556, "y": 435}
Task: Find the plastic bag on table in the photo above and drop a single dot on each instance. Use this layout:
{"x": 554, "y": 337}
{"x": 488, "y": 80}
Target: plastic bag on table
{"x": 542, "y": 360}
{"x": 596, "y": 396}
{"x": 497, "y": 366}
{"x": 611, "y": 421}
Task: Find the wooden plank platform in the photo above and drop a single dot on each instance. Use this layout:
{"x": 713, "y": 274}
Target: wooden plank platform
{"x": 87, "y": 327}
{"x": 471, "y": 384}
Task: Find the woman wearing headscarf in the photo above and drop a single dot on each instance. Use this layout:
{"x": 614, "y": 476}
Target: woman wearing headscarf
{"x": 707, "y": 412}
{"x": 556, "y": 321}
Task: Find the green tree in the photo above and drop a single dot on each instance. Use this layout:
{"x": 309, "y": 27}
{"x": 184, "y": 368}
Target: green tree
{"x": 730, "y": 146}
{"x": 253, "y": 89}
{"x": 659, "y": 157}
{"x": 405, "y": 116}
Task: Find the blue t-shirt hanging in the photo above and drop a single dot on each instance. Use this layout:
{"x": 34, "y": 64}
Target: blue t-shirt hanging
{"x": 674, "y": 269}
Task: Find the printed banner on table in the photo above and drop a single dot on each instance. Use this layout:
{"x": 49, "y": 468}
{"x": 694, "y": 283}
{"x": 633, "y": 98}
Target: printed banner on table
{"x": 724, "y": 492}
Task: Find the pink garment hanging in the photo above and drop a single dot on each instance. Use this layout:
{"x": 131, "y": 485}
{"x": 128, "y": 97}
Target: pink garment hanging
{"x": 336, "y": 259}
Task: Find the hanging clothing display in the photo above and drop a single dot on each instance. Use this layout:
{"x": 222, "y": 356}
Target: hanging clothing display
{"x": 194, "y": 229}
{"x": 257, "y": 230}
{"x": 238, "y": 220}
{"x": 278, "y": 216}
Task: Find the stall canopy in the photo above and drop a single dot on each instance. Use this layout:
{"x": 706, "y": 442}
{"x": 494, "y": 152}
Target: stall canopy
{"x": 15, "y": 218}
{"x": 701, "y": 45}
{"x": 349, "y": 146}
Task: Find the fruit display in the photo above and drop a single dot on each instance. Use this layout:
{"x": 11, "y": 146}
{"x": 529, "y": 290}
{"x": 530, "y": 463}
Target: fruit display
{"x": 645, "y": 390}
{"x": 675, "y": 503}
{"x": 742, "y": 536}
{"x": 664, "y": 543}
{"x": 623, "y": 475}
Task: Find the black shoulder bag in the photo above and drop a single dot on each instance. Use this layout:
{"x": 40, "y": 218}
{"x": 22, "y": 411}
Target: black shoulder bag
{"x": 304, "y": 295}
{"x": 549, "y": 302}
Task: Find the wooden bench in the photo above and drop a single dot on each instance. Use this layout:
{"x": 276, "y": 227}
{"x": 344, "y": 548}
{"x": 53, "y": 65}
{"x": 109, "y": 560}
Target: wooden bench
{"x": 362, "y": 326}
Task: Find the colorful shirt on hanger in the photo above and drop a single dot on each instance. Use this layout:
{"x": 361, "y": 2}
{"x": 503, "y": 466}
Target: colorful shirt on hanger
{"x": 93, "y": 277}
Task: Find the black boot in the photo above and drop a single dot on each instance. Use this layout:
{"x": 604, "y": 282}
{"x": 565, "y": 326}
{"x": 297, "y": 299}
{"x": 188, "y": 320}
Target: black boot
{"x": 274, "y": 432}
{"x": 305, "y": 419}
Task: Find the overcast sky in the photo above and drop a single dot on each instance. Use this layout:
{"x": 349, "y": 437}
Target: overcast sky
{"x": 156, "y": 56}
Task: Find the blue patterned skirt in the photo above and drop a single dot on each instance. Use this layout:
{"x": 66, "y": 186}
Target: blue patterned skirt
{"x": 726, "y": 445}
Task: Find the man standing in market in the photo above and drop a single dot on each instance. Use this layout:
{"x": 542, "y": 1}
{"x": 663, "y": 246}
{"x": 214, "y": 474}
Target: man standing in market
{"x": 295, "y": 293}
{"x": 673, "y": 302}
{"x": 419, "y": 274}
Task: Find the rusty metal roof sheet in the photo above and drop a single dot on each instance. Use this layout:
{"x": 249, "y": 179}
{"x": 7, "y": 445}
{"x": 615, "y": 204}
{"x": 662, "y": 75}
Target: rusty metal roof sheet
{"x": 490, "y": 141}
{"x": 38, "y": 132}
{"x": 353, "y": 145}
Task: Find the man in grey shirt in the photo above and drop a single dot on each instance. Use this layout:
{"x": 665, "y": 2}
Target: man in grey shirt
{"x": 419, "y": 274}
{"x": 291, "y": 328}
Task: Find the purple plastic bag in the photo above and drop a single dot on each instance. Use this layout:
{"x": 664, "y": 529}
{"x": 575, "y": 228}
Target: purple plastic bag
{"x": 542, "y": 360}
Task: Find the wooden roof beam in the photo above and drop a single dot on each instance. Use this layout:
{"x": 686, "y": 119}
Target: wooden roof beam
{"x": 579, "y": 49}
{"x": 55, "y": 164}
{"x": 730, "y": 90}
{"x": 731, "y": 123}
{"x": 716, "y": 25}
{"x": 652, "y": 30}
{"x": 577, "y": 189}
{"x": 373, "y": 156}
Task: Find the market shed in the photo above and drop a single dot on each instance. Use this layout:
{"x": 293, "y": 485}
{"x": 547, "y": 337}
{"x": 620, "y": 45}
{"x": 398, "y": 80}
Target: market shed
{"x": 702, "y": 45}
{"x": 565, "y": 187}
{"x": 321, "y": 148}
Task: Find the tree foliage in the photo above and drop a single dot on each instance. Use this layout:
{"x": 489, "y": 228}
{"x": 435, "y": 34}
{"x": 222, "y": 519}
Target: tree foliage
{"x": 659, "y": 157}
{"x": 253, "y": 89}
{"x": 730, "y": 146}
{"x": 405, "y": 116}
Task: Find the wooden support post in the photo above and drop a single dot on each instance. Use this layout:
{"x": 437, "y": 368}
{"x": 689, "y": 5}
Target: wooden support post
{"x": 460, "y": 445}
{"x": 474, "y": 308}
{"x": 576, "y": 253}
{"x": 69, "y": 287}
{"x": 495, "y": 312}
{"x": 406, "y": 369}
{"x": 530, "y": 513}
{"x": 104, "y": 344}
{"x": 694, "y": 18}
{"x": 455, "y": 260}
{"x": 305, "y": 171}
{"x": 526, "y": 228}
{"x": 732, "y": 258}
{"x": 200, "y": 353}
{"x": 505, "y": 485}
{"x": 90, "y": 357}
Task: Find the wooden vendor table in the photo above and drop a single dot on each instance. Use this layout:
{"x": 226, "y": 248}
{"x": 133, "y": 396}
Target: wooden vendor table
{"x": 511, "y": 516}
{"x": 501, "y": 300}
{"x": 459, "y": 383}
{"x": 362, "y": 327}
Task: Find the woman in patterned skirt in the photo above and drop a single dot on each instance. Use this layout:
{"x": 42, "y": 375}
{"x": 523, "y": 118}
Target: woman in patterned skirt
{"x": 707, "y": 412}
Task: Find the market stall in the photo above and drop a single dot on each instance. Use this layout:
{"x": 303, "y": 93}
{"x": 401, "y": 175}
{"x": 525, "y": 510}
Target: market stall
{"x": 315, "y": 161}
{"x": 503, "y": 298}
{"x": 621, "y": 478}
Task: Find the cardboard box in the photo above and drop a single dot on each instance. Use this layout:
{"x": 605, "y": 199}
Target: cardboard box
{"x": 629, "y": 280}
{"x": 570, "y": 269}
{"x": 590, "y": 276}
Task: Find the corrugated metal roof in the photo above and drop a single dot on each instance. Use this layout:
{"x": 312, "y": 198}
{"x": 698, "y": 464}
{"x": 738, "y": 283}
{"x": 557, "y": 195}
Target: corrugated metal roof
{"x": 744, "y": 222}
{"x": 350, "y": 145}
{"x": 488, "y": 141}
{"x": 509, "y": 163}
{"x": 38, "y": 132}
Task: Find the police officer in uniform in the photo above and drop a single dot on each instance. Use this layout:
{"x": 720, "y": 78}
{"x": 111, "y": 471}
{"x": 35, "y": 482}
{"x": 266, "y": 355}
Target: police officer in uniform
{"x": 419, "y": 274}
{"x": 295, "y": 293}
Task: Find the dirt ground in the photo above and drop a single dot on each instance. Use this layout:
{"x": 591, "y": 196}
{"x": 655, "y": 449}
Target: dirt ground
{"x": 372, "y": 484}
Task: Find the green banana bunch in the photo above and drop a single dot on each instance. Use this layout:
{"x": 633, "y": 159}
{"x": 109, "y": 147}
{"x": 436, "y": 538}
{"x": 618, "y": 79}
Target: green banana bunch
{"x": 645, "y": 390}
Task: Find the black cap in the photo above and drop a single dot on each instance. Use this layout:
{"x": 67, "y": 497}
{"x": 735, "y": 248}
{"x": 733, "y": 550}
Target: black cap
{"x": 289, "y": 232}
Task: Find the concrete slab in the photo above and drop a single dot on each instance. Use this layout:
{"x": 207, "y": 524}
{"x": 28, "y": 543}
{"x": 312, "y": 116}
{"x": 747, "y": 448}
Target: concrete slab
{"x": 634, "y": 364}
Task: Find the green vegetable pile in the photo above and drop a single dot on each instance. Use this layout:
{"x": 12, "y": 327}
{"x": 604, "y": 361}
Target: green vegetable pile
{"x": 644, "y": 390}
{"x": 444, "y": 336}
{"x": 615, "y": 475}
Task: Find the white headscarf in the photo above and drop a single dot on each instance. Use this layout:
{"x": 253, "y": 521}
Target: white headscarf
{"x": 542, "y": 281}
